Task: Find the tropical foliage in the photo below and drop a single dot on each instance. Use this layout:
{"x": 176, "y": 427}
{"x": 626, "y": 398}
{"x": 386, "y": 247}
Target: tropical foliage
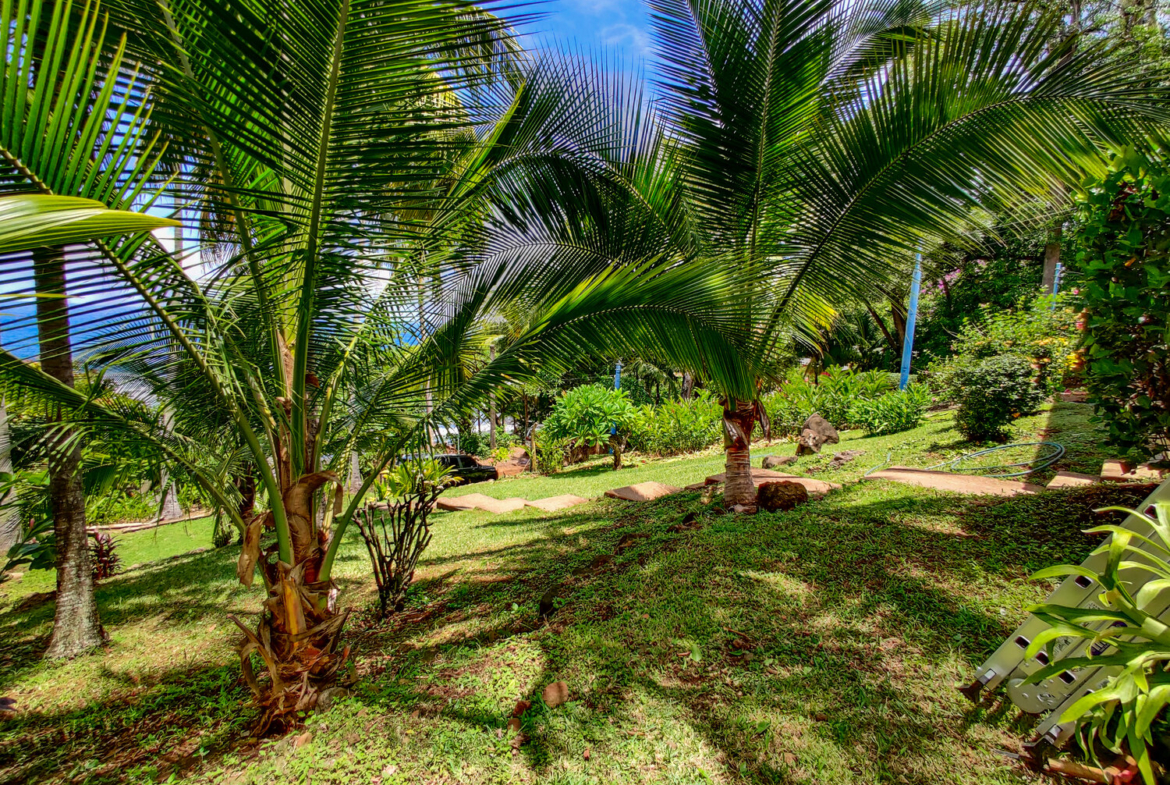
{"x": 1123, "y": 634}
{"x": 583, "y": 417}
{"x": 993, "y": 393}
{"x": 831, "y": 394}
{"x": 1124, "y": 259}
{"x": 893, "y": 412}
{"x": 677, "y": 427}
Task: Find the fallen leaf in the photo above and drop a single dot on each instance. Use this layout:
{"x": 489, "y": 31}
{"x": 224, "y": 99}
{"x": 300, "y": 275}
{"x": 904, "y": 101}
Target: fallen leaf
{"x": 518, "y": 740}
{"x": 586, "y": 753}
{"x": 514, "y": 725}
{"x": 820, "y": 717}
{"x": 389, "y": 770}
{"x": 521, "y": 707}
{"x": 789, "y": 759}
{"x": 555, "y": 694}
{"x": 302, "y": 740}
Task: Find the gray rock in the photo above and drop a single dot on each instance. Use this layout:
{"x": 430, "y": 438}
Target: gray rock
{"x": 815, "y": 434}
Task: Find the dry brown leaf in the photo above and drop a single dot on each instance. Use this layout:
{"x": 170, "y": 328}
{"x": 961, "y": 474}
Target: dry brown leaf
{"x": 302, "y": 740}
{"x": 250, "y": 553}
{"x": 555, "y": 694}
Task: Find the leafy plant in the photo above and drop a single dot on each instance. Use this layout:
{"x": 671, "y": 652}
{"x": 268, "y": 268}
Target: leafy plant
{"x": 103, "y": 556}
{"x": 1120, "y": 634}
{"x": 1042, "y": 330}
{"x": 584, "y": 417}
{"x": 677, "y": 427}
{"x": 893, "y": 412}
{"x": 831, "y": 394}
{"x": 993, "y": 393}
{"x": 551, "y": 453}
{"x": 397, "y": 531}
{"x": 117, "y": 505}
{"x": 1124, "y": 258}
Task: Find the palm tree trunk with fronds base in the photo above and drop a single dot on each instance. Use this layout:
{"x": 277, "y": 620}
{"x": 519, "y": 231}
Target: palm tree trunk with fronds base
{"x": 76, "y": 627}
{"x": 299, "y": 631}
{"x": 739, "y": 420}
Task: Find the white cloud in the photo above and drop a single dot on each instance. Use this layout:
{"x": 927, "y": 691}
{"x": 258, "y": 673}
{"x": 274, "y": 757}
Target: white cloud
{"x": 623, "y": 33}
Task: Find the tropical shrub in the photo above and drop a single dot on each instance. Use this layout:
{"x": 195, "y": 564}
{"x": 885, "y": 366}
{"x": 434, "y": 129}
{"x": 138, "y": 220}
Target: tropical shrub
{"x": 831, "y": 395}
{"x": 117, "y": 505}
{"x": 397, "y": 531}
{"x": 585, "y": 415}
{"x": 1124, "y": 258}
{"x": 994, "y": 392}
{"x": 551, "y": 453}
{"x": 103, "y": 556}
{"x": 1122, "y": 635}
{"x": 893, "y": 412}
{"x": 1041, "y": 330}
{"x": 677, "y": 427}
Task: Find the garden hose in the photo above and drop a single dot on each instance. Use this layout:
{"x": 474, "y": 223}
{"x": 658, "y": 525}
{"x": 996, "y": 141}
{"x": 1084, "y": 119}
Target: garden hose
{"x": 1055, "y": 453}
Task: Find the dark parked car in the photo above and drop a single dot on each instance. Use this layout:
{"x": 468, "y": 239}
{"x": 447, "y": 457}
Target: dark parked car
{"x": 467, "y": 467}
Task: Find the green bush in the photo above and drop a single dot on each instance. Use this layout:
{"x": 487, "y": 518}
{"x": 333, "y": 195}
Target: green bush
{"x": 1124, "y": 258}
{"x": 116, "y": 505}
{"x": 1041, "y": 330}
{"x": 584, "y": 416}
{"x": 891, "y": 413}
{"x": 833, "y": 393}
{"x": 677, "y": 427}
{"x": 994, "y": 392}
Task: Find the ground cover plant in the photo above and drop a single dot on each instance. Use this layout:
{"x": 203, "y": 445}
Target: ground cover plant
{"x": 754, "y": 649}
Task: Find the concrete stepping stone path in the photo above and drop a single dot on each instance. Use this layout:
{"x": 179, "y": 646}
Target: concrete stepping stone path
{"x": 480, "y": 502}
{"x": 957, "y": 483}
{"x": 1115, "y": 472}
{"x": 554, "y": 503}
{"x": 642, "y": 492}
{"x": 1072, "y": 480}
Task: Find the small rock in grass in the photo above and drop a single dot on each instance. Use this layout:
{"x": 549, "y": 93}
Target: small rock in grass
{"x": 555, "y": 694}
{"x": 782, "y": 495}
{"x": 302, "y": 740}
{"x": 776, "y": 461}
{"x": 742, "y": 509}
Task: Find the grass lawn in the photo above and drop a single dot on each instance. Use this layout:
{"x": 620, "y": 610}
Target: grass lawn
{"x": 815, "y": 646}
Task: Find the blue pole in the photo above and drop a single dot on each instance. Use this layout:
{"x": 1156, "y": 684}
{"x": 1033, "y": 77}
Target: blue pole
{"x": 617, "y": 385}
{"x": 1056, "y": 281}
{"x": 911, "y": 318}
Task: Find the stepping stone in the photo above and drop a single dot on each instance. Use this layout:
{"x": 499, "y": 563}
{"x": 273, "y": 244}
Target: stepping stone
{"x": 1075, "y": 396}
{"x": 554, "y": 503}
{"x": 956, "y": 483}
{"x": 696, "y": 486}
{"x": 510, "y": 469}
{"x": 642, "y": 492}
{"x": 816, "y": 488}
{"x": 1114, "y": 471}
{"x": 454, "y": 504}
{"x": 488, "y": 504}
{"x": 1072, "y": 480}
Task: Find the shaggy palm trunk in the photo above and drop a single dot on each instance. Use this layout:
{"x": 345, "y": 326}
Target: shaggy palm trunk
{"x": 76, "y": 627}
{"x": 9, "y": 514}
{"x": 298, "y": 634}
{"x": 738, "y": 424}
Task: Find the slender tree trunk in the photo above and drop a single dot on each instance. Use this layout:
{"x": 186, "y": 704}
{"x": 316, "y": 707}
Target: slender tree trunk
{"x": 885, "y": 330}
{"x": 688, "y": 385}
{"x": 738, "y": 424}
{"x": 354, "y": 482}
{"x": 9, "y": 514}
{"x": 76, "y": 627}
{"x": 168, "y": 508}
{"x": 1051, "y": 259}
{"x": 492, "y": 404}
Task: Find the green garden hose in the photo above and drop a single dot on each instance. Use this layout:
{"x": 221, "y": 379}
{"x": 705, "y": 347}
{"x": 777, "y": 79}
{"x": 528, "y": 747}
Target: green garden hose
{"x": 1055, "y": 451}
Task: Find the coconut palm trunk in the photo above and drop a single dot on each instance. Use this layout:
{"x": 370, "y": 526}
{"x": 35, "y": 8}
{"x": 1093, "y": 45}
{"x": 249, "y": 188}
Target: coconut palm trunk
{"x": 76, "y": 627}
{"x": 739, "y": 420}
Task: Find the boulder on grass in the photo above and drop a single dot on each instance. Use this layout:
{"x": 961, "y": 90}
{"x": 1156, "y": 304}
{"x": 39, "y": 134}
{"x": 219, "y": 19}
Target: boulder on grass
{"x": 776, "y": 461}
{"x": 815, "y": 434}
{"x": 782, "y": 495}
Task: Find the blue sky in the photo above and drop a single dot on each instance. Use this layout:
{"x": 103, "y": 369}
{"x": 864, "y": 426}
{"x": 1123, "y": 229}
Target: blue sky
{"x": 615, "y": 29}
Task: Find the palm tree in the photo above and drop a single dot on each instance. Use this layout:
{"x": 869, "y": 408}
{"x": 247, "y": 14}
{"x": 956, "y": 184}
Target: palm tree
{"x": 334, "y": 153}
{"x": 67, "y": 177}
{"x": 820, "y": 143}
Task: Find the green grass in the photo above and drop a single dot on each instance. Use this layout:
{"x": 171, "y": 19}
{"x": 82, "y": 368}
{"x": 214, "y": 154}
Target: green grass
{"x": 819, "y": 645}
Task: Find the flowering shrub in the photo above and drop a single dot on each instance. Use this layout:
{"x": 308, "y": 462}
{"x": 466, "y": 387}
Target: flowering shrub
{"x": 1124, "y": 256}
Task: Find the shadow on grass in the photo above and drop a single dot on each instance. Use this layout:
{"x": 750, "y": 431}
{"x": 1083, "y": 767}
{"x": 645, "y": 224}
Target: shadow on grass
{"x": 819, "y": 627}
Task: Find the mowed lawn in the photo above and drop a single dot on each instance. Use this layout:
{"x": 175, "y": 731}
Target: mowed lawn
{"x": 819, "y": 645}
